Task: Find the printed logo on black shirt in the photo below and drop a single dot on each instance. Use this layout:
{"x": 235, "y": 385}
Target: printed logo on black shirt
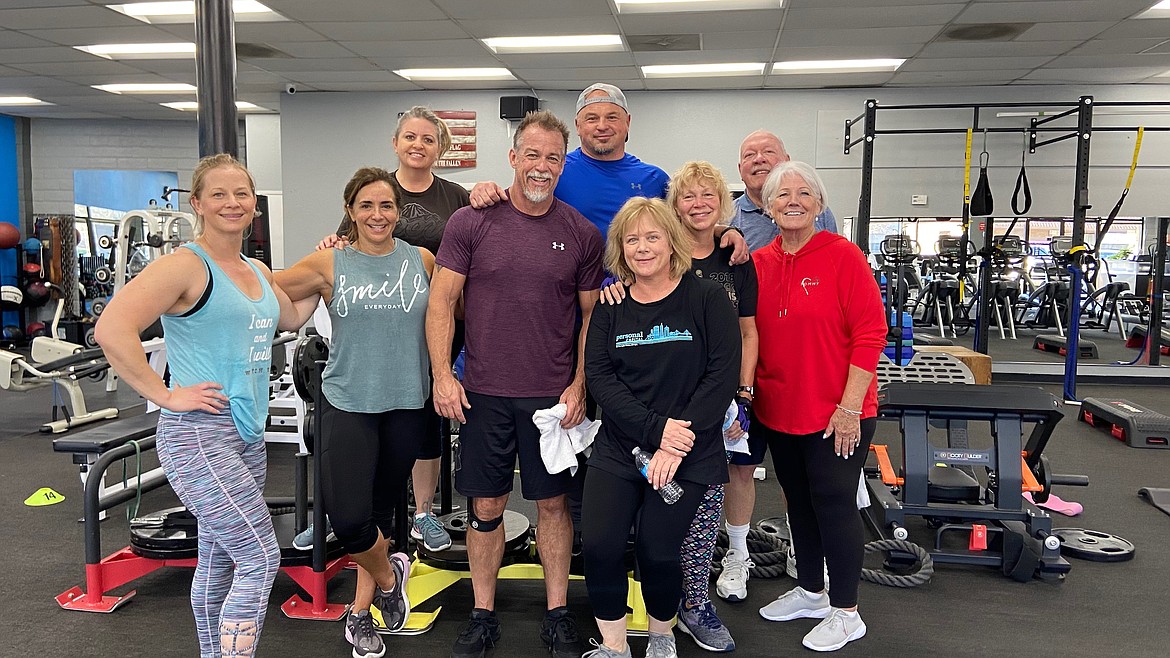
{"x": 659, "y": 334}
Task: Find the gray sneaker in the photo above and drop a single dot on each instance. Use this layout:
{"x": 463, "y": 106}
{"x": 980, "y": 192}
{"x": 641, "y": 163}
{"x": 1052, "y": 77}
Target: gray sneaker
{"x": 661, "y": 646}
{"x": 837, "y": 630}
{"x": 427, "y": 529}
{"x": 603, "y": 651}
{"x": 797, "y": 603}
{"x": 703, "y": 625}
{"x": 359, "y": 631}
{"x": 393, "y": 605}
{"x": 304, "y": 540}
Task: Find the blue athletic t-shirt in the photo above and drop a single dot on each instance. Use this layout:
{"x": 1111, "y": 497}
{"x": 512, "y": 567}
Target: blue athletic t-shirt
{"x": 599, "y": 188}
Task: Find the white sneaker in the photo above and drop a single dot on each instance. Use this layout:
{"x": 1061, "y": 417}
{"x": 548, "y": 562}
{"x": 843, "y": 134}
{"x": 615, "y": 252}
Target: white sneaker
{"x": 797, "y": 603}
{"x": 732, "y": 583}
{"x": 838, "y": 629}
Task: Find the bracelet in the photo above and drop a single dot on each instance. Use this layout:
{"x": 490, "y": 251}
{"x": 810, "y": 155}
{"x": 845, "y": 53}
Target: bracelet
{"x": 849, "y": 411}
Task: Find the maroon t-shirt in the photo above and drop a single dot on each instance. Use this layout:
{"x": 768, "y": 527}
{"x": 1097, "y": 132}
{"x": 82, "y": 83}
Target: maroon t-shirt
{"x": 520, "y": 298}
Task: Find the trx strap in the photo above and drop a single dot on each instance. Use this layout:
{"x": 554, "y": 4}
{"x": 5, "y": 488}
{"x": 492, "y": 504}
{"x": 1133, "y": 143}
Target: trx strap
{"x": 1137, "y": 148}
{"x": 966, "y": 212}
{"x": 1022, "y": 184}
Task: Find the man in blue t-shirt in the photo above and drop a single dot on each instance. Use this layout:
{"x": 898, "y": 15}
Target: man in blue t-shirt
{"x": 599, "y": 176}
{"x": 759, "y": 153}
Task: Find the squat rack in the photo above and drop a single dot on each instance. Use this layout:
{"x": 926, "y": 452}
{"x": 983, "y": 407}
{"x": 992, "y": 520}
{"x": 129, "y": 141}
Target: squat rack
{"x": 1082, "y": 109}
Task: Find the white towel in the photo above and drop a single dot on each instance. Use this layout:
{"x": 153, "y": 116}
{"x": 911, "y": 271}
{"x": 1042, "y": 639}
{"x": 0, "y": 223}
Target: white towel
{"x": 559, "y": 446}
{"x": 734, "y": 445}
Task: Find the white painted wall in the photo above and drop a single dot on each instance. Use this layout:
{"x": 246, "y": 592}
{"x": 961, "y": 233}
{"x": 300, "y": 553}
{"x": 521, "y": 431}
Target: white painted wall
{"x": 326, "y": 136}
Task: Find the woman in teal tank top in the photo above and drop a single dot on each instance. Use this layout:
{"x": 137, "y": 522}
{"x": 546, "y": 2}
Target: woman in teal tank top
{"x": 374, "y": 389}
{"x": 220, "y": 311}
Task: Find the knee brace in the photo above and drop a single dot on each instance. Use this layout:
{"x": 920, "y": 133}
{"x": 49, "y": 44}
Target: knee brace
{"x": 482, "y": 525}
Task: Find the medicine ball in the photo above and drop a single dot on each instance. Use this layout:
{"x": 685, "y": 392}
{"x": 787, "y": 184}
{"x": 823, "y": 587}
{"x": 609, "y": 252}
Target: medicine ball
{"x": 9, "y": 235}
{"x": 11, "y": 297}
{"x": 32, "y": 270}
{"x": 36, "y": 294}
{"x": 36, "y": 330}
{"x": 32, "y": 245}
{"x": 12, "y": 333}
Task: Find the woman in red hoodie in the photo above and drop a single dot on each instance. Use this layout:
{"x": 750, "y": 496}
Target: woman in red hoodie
{"x": 821, "y": 330}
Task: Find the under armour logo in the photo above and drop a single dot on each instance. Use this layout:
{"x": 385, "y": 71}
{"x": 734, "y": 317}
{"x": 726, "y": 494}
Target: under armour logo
{"x": 559, "y": 245}
{"x": 636, "y": 186}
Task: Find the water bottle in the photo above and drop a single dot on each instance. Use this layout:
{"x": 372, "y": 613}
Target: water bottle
{"x": 671, "y": 491}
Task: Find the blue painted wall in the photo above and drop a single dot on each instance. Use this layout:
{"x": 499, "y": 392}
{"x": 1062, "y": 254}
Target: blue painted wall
{"x": 9, "y": 203}
{"x": 120, "y": 190}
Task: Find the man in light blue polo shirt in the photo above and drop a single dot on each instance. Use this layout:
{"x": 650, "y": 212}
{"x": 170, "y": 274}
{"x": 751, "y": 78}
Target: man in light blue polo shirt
{"x": 758, "y": 154}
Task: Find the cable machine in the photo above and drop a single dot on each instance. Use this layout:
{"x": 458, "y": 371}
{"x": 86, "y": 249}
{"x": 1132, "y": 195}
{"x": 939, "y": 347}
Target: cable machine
{"x": 1082, "y": 110}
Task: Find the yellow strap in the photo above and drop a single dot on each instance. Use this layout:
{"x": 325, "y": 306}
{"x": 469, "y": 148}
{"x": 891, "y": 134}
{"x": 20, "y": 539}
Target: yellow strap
{"x": 967, "y": 171}
{"x": 1077, "y": 249}
{"x": 1137, "y": 148}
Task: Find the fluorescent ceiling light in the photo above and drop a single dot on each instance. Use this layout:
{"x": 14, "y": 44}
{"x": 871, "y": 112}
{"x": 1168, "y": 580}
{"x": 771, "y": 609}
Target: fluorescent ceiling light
{"x": 564, "y": 44}
{"x": 702, "y": 70}
{"x": 192, "y": 106}
{"x": 142, "y": 88}
{"x": 140, "y": 50}
{"x": 837, "y": 66}
{"x": 456, "y": 74}
{"x": 1160, "y": 10}
{"x": 671, "y": 6}
{"x": 183, "y": 11}
{"x": 21, "y": 100}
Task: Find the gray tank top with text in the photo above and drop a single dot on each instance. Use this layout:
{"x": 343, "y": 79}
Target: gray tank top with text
{"x": 378, "y": 353}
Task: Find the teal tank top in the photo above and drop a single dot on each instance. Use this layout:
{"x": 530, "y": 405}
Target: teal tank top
{"x": 227, "y": 340}
{"x": 378, "y": 358}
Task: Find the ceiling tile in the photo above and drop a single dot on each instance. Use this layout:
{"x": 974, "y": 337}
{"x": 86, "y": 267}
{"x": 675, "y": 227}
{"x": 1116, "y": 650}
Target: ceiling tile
{"x": 867, "y": 37}
{"x": 276, "y": 32}
{"x": 449, "y": 48}
{"x": 83, "y": 17}
{"x": 854, "y": 17}
{"x": 1138, "y": 29}
{"x": 734, "y": 82}
{"x": 745, "y": 39}
{"x": 353, "y": 10}
{"x": 473, "y": 9}
{"x": 705, "y": 57}
{"x": 391, "y": 30}
{"x": 581, "y": 74}
{"x": 973, "y": 64}
{"x": 953, "y": 78}
{"x": 498, "y": 27}
{"x": 1119, "y": 46}
{"x": 1051, "y": 10}
{"x": 140, "y": 33}
{"x": 567, "y": 60}
{"x": 312, "y": 49}
{"x": 715, "y": 21}
{"x": 1000, "y": 48}
{"x": 1065, "y": 31}
{"x": 95, "y": 67}
{"x": 322, "y": 65}
{"x": 1073, "y": 76}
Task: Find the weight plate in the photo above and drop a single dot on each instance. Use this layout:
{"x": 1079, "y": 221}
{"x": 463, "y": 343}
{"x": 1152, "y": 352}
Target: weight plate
{"x": 1093, "y": 545}
{"x": 306, "y": 379}
{"x": 105, "y": 241}
{"x": 173, "y": 529}
{"x": 103, "y": 275}
{"x": 1043, "y": 472}
{"x": 97, "y": 307}
{"x": 91, "y": 338}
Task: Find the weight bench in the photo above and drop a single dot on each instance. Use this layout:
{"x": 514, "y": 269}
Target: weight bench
{"x": 87, "y": 446}
{"x": 65, "y": 372}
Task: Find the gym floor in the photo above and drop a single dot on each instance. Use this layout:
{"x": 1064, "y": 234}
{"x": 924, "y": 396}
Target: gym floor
{"x": 1100, "y": 609}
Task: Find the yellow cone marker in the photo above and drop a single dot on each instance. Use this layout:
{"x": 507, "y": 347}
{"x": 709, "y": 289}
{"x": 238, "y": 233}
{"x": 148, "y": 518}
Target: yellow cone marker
{"x": 44, "y": 496}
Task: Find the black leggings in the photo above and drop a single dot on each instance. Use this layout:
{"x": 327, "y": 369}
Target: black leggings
{"x": 366, "y": 459}
{"x": 609, "y": 509}
{"x": 821, "y": 489}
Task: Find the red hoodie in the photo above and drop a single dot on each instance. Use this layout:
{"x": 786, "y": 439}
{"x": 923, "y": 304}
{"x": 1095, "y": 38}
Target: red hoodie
{"x": 819, "y": 311}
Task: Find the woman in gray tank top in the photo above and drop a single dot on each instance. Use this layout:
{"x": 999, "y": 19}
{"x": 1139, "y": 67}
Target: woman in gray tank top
{"x": 374, "y": 390}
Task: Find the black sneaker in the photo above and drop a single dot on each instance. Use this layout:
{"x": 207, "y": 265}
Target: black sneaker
{"x": 559, "y": 632}
{"x": 482, "y": 633}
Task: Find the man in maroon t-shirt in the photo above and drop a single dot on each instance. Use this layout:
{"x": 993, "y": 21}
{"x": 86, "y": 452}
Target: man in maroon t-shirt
{"x": 524, "y": 268}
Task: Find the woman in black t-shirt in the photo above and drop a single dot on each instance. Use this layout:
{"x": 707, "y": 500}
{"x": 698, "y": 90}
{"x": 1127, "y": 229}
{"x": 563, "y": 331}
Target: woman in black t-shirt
{"x": 662, "y": 366}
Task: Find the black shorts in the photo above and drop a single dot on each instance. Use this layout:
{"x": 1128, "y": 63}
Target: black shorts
{"x": 757, "y": 444}
{"x": 497, "y": 430}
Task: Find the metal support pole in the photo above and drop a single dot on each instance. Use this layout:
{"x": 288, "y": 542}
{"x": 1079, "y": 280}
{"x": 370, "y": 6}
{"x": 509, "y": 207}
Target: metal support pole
{"x": 1080, "y": 207}
{"x": 865, "y": 202}
{"x": 215, "y": 76}
{"x": 1157, "y": 292}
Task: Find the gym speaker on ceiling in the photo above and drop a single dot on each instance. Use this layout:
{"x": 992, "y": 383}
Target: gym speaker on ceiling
{"x": 513, "y": 108}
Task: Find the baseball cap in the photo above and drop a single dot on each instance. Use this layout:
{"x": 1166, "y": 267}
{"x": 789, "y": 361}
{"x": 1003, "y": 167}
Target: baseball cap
{"x": 612, "y": 95}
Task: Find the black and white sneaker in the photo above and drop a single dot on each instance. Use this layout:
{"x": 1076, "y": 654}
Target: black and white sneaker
{"x": 481, "y": 633}
{"x": 394, "y": 605}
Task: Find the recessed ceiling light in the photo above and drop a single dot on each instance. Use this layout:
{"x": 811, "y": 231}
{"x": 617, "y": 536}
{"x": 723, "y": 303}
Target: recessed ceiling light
{"x": 192, "y": 106}
{"x": 183, "y": 11}
{"x": 702, "y": 70}
{"x": 21, "y": 100}
{"x": 140, "y": 50}
{"x": 574, "y": 43}
{"x": 837, "y": 66}
{"x": 456, "y": 74}
{"x": 664, "y": 6}
{"x": 144, "y": 88}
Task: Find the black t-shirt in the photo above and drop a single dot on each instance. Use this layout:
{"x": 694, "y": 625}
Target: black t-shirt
{"x": 738, "y": 280}
{"x": 422, "y": 216}
{"x": 674, "y": 358}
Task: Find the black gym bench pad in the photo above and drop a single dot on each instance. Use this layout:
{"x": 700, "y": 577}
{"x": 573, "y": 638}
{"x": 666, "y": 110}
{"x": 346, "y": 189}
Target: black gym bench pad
{"x": 107, "y": 436}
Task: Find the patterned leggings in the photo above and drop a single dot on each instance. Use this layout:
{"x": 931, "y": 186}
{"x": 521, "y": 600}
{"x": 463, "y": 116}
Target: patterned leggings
{"x": 221, "y": 481}
{"x": 698, "y": 548}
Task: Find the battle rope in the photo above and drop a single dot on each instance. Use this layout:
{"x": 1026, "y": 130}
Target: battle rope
{"x": 925, "y": 568}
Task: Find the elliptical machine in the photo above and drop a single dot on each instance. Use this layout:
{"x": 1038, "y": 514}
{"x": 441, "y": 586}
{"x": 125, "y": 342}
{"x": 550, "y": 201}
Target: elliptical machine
{"x": 941, "y": 299}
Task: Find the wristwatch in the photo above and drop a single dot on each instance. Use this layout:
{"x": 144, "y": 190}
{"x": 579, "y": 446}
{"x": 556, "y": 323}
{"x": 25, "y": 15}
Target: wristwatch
{"x": 750, "y": 390}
